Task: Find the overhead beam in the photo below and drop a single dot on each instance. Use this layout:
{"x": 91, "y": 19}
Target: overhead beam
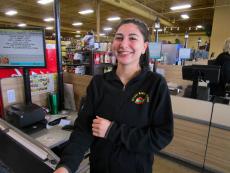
{"x": 139, "y": 9}
{"x": 14, "y": 22}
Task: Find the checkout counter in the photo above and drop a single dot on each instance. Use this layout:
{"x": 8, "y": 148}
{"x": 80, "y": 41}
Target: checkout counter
{"x": 39, "y": 148}
{"x": 55, "y": 137}
{"x": 201, "y": 134}
{"x": 201, "y": 128}
{"x": 22, "y": 154}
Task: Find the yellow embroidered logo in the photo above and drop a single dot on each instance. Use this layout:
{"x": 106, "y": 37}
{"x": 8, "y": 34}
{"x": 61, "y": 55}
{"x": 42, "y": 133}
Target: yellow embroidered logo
{"x": 140, "y": 98}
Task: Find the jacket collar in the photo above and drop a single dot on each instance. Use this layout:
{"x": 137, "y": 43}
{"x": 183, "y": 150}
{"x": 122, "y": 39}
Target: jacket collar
{"x": 112, "y": 76}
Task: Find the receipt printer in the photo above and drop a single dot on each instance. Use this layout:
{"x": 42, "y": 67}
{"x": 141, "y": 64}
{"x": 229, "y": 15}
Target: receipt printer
{"x": 22, "y": 115}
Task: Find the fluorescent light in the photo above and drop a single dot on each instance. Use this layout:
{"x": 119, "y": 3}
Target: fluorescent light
{"x": 11, "y": 12}
{"x": 43, "y": 2}
{"x": 49, "y": 19}
{"x": 77, "y": 24}
{"x": 22, "y": 25}
{"x": 88, "y": 11}
{"x": 107, "y": 29}
{"x": 199, "y": 26}
{"x": 102, "y": 34}
{"x": 184, "y": 16}
{"x": 180, "y": 7}
{"x": 159, "y": 30}
{"x": 49, "y": 28}
{"x": 78, "y": 32}
{"x": 113, "y": 18}
{"x": 77, "y": 36}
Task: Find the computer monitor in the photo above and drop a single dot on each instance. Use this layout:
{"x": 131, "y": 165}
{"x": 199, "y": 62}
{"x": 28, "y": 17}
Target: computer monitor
{"x": 96, "y": 45}
{"x": 170, "y": 53}
{"x": 22, "y": 47}
{"x": 198, "y": 73}
{"x": 184, "y": 53}
{"x": 155, "y": 50}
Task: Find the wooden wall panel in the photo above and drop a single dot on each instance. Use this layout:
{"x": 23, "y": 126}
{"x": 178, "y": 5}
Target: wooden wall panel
{"x": 189, "y": 141}
{"x": 173, "y": 73}
{"x": 218, "y": 153}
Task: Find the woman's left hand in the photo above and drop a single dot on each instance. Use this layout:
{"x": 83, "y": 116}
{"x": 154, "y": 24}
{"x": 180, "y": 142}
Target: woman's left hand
{"x": 100, "y": 126}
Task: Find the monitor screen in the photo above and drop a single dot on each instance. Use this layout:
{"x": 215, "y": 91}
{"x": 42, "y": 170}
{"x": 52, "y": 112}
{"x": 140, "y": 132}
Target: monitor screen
{"x": 154, "y": 50}
{"x": 170, "y": 53}
{"x": 209, "y": 73}
{"x": 184, "y": 53}
{"x": 198, "y": 73}
{"x": 96, "y": 45}
{"x": 22, "y": 47}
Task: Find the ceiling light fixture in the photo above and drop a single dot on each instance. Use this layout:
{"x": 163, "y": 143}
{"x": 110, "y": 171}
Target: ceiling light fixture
{"x": 107, "y": 29}
{"x": 49, "y": 19}
{"x": 102, "y": 34}
{"x": 157, "y": 24}
{"x": 180, "y": 7}
{"x": 49, "y": 28}
{"x": 199, "y": 26}
{"x": 184, "y": 16}
{"x": 186, "y": 34}
{"x": 22, "y": 25}
{"x": 77, "y": 24}
{"x": 43, "y": 2}
{"x": 159, "y": 30}
{"x": 78, "y": 32}
{"x": 115, "y": 18}
{"x": 88, "y": 11}
{"x": 11, "y": 12}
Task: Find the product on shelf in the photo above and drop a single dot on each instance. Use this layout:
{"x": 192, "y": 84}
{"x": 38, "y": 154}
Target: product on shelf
{"x": 80, "y": 70}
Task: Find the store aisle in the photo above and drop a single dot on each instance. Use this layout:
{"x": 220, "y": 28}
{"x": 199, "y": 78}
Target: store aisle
{"x": 166, "y": 165}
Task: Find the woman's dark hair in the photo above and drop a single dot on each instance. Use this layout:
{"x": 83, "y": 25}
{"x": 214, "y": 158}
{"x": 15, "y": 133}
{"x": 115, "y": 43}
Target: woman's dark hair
{"x": 144, "y": 59}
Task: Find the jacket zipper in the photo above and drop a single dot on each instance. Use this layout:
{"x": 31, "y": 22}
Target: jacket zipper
{"x": 123, "y": 89}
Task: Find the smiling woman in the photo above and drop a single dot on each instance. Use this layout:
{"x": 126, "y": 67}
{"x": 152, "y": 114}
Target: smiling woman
{"x": 128, "y": 45}
{"x": 127, "y": 115}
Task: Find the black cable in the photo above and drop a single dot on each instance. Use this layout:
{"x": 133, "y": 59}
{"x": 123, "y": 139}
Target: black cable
{"x": 209, "y": 128}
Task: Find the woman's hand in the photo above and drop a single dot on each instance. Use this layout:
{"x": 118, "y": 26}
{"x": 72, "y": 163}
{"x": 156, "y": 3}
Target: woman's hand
{"x": 100, "y": 126}
{"x": 61, "y": 170}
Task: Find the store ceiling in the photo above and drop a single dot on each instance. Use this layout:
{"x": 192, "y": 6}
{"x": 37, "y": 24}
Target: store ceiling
{"x": 32, "y": 13}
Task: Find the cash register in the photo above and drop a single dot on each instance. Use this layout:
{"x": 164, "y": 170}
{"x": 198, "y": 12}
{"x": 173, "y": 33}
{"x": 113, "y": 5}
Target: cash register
{"x": 22, "y": 154}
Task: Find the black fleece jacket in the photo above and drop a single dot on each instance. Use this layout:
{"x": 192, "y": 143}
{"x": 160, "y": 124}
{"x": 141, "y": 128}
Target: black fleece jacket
{"x": 142, "y": 124}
